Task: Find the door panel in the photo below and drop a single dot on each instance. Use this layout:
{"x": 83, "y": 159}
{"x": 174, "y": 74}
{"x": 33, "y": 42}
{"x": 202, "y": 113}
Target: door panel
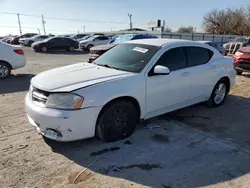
{"x": 166, "y": 93}
{"x": 203, "y": 73}
{"x": 169, "y": 92}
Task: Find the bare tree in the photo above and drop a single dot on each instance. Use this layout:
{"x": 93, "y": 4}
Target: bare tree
{"x": 228, "y": 21}
{"x": 168, "y": 29}
{"x": 188, "y": 29}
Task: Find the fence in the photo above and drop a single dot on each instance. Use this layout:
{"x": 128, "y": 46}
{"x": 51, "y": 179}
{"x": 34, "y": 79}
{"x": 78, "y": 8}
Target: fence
{"x": 219, "y": 39}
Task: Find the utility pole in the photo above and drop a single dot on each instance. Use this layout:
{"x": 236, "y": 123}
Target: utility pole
{"x": 19, "y": 23}
{"x": 130, "y": 21}
{"x": 43, "y": 22}
{"x": 84, "y": 28}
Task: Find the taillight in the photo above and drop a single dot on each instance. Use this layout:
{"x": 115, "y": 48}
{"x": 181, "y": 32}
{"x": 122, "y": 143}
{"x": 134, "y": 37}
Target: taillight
{"x": 20, "y": 52}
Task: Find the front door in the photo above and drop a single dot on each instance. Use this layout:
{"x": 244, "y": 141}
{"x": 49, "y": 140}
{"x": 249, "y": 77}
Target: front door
{"x": 166, "y": 93}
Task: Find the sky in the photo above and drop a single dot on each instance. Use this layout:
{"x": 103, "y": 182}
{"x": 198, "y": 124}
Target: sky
{"x": 104, "y": 15}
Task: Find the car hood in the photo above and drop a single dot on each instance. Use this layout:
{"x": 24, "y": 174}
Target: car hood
{"x": 102, "y": 47}
{"x": 73, "y": 77}
{"x": 245, "y": 49}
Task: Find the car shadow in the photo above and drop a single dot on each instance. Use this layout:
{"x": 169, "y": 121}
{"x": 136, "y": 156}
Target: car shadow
{"x": 187, "y": 149}
{"x": 15, "y": 83}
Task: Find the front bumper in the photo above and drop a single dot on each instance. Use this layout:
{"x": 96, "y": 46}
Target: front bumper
{"x": 242, "y": 64}
{"x": 72, "y": 125}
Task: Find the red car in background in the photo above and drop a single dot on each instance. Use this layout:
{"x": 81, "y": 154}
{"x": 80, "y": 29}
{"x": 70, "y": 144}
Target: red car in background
{"x": 242, "y": 60}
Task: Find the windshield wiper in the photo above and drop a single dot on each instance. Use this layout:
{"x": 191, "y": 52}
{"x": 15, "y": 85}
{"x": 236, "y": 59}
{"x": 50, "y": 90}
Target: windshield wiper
{"x": 108, "y": 66}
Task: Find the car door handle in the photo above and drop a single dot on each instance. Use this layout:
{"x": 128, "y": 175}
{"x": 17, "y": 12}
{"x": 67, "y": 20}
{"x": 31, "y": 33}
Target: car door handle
{"x": 185, "y": 74}
{"x": 213, "y": 67}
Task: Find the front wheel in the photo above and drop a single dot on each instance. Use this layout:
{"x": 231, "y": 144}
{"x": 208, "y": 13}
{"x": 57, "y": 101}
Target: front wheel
{"x": 89, "y": 46}
{"x": 44, "y": 49}
{"x": 5, "y": 70}
{"x": 30, "y": 43}
{"x": 117, "y": 121}
{"x": 219, "y": 94}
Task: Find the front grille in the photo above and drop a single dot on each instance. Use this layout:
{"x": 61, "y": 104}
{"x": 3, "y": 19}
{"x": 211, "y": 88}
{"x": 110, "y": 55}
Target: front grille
{"x": 39, "y": 96}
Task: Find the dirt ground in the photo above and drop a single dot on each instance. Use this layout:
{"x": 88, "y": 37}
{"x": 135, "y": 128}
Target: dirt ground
{"x": 194, "y": 147}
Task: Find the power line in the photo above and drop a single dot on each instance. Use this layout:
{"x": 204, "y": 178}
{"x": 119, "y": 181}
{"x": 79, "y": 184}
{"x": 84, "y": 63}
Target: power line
{"x": 64, "y": 19}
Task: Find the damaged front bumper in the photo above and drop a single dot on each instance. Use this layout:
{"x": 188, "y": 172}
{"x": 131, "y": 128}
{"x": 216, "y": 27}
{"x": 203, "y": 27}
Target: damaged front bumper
{"x": 62, "y": 125}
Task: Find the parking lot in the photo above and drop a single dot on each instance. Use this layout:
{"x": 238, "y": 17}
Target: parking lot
{"x": 194, "y": 147}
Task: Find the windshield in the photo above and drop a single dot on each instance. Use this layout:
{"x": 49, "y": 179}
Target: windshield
{"x": 121, "y": 39}
{"x": 240, "y": 40}
{"x": 128, "y": 57}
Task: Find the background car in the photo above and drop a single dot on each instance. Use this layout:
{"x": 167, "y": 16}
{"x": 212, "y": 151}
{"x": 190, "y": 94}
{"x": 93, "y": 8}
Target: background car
{"x": 93, "y": 41}
{"x": 15, "y": 40}
{"x": 55, "y": 43}
{"x": 78, "y": 36}
{"x": 11, "y": 57}
{"x": 237, "y": 43}
{"x": 96, "y": 51}
{"x": 215, "y": 45}
{"x": 30, "y": 41}
{"x": 242, "y": 60}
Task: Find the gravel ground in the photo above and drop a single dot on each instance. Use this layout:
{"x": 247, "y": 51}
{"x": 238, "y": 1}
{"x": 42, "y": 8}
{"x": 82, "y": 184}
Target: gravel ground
{"x": 193, "y": 147}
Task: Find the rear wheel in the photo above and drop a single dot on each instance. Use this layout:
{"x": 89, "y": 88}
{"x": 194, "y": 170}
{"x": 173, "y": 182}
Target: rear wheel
{"x": 219, "y": 94}
{"x": 5, "y": 70}
{"x": 117, "y": 121}
{"x": 71, "y": 49}
{"x": 238, "y": 72}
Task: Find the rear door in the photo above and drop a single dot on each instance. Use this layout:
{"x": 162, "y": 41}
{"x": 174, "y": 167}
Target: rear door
{"x": 203, "y": 72}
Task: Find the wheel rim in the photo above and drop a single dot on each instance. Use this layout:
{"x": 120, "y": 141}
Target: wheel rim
{"x": 220, "y": 93}
{"x": 119, "y": 119}
{"x": 4, "y": 71}
{"x": 44, "y": 49}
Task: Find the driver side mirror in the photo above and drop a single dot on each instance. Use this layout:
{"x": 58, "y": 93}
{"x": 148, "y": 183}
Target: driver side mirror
{"x": 161, "y": 70}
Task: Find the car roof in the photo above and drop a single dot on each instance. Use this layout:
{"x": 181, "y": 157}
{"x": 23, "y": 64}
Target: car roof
{"x": 161, "y": 42}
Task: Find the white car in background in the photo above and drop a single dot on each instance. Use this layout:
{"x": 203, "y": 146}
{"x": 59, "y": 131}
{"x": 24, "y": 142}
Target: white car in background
{"x": 93, "y": 41}
{"x": 30, "y": 41}
{"x": 133, "y": 81}
{"x": 11, "y": 57}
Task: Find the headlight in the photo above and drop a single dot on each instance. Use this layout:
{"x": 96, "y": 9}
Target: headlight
{"x": 65, "y": 101}
{"x": 238, "y": 53}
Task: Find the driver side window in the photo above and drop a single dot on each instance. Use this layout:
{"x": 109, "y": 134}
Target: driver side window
{"x": 174, "y": 59}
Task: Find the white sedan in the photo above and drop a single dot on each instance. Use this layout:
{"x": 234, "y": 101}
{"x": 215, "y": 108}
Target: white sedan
{"x": 93, "y": 41}
{"x": 133, "y": 81}
{"x": 11, "y": 57}
{"x": 30, "y": 41}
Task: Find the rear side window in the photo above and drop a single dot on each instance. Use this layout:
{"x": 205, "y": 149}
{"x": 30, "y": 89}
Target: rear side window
{"x": 174, "y": 59}
{"x": 198, "y": 56}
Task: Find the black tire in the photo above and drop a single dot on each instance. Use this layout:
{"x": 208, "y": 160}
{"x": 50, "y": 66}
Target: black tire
{"x": 89, "y": 46}
{"x": 44, "y": 49}
{"x": 30, "y": 43}
{"x": 212, "y": 101}
{"x": 117, "y": 121}
{"x": 238, "y": 72}
{"x": 4, "y": 67}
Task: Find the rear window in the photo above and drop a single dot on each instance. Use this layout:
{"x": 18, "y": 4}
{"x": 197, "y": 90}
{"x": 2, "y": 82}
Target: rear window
{"x": 198, "y": 56}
